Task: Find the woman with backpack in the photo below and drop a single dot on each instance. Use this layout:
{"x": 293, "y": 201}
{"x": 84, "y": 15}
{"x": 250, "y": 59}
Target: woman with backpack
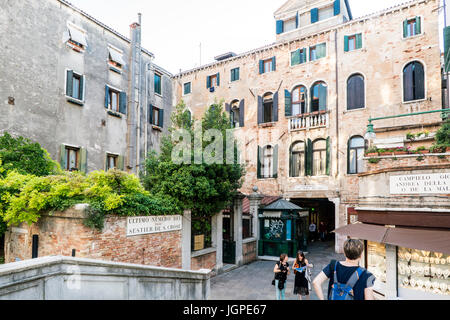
{"x": 302, "y": 276}
{"x": 281, "y": 271}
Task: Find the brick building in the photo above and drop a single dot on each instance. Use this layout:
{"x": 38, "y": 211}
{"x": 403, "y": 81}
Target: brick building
{"x": 89, "y": 95}
{"x": 300, "y": 106}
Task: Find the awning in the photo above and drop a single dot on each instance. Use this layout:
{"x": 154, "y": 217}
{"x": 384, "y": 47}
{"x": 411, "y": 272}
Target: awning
{"x": 363, "y": 231}
{"x": 436, "y": 240}
{"x": 77, "y": 35}
{"x": 116, "y": 56}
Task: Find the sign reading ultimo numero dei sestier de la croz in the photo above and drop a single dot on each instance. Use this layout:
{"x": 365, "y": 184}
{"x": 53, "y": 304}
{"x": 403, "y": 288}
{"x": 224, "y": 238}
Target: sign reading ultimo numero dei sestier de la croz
{"x": 432, "y": 183}
{"x": 146, "y": 225}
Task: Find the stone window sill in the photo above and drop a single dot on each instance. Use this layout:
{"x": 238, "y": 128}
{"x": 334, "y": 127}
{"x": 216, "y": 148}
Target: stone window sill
{"x": 114, "y": 114}
{"x": 75, "y": 101}
{"x": 203, "y": 252}
{"x": 156, "y": 128}
{"x": 267, "y": 124}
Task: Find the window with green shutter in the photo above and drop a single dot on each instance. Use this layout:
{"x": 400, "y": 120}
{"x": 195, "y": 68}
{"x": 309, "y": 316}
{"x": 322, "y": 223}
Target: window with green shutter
{"x": 74, "y": 86}
{"x": 298, "y": 57}
{"x": 234, "y": 74}
{"x": 412, "y": 27}
{"x": 157, "y": 83}
{"x": 187, "y": 88}
{"x": 353, "y": 42}
{"x": 317, "y": 52}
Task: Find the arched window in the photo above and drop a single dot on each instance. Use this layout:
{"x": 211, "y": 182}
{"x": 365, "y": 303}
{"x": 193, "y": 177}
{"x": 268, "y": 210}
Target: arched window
{"x": 319, "y": 157}
{"x": 356, "y": 147}
{"x": 355, "y": 92}
{"x": 297, "y": 163}
{"x": 268, "y": 108}
{"x": 299, "y": 100}
{"x": 234, "y": 114}
{"x": 319, "y": 97}
{"x": 413, "y": 81}
{"x": 187, "y": 118}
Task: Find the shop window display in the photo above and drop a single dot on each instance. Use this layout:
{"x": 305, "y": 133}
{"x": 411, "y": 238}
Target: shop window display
{"x": 424, "y": 271}
{"x": 376, "y": 264}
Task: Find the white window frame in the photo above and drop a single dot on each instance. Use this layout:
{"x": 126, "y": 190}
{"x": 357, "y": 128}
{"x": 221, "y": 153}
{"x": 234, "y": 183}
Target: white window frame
{"x": 84, "y": 32}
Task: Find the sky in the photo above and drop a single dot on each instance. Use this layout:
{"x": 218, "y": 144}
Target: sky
{"x": 174, "y": 29}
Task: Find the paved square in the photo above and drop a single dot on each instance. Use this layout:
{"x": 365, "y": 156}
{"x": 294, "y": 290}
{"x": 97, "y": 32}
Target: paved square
{"x": 253, "y": 281}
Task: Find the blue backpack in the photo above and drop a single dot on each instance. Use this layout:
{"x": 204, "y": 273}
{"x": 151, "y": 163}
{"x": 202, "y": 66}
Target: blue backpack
{"x": 340, "y": 291}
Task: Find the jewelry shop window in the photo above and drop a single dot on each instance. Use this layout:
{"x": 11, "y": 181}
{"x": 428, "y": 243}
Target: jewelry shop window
{"x": 423, "y": 271}
{"x": 376, "y": 264}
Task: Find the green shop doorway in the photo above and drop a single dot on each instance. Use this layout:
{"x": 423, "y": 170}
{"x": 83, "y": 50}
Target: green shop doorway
{"x": 283, "y": 229}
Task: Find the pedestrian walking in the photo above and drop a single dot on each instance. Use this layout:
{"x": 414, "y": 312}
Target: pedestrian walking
{"x": 312, "y": 231}
{"x": 347, "y": 280}
{"x": 322, "y": 230}
{"x": 302, "y": 283}
{"x": 281, "y": 271}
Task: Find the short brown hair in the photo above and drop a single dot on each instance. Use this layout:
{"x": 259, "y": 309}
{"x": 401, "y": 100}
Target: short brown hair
{"x": 353, "y": 249}
{"x": 283, "y": 256}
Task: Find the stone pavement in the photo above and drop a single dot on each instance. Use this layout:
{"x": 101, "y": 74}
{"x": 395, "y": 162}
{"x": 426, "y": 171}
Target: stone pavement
{"x": 253, "y": 281}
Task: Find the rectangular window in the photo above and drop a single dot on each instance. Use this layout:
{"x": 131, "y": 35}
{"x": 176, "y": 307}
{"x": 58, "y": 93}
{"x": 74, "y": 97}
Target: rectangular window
{"x": 246, "y": 226}
{"x": 317, "y": 52}
{"x": 115, "y": 57}
{"x": 187, "y": 88}
{"x": 268, "y": 65}
{"x": 326, "y": 13}
{"x": 290, "y": 25}
{"x": 412, "y": 27}
{"x": 157, "y": 83}
{"x": 155, "y": 116}
{"x": 213, "y": 80}
{"x": 75, "y": 85}
{"x": 72, "y": 159}
{"x": 114, "y": 100}
{"x": 111, "y": 161}
{"x": 77, "y": 38}
{"x": 234, "y": 74}
{"x": 353, "y": 42}
{"x": 298, "y": 57}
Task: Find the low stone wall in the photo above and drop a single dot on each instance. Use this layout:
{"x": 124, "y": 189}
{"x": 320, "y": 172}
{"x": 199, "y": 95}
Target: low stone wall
{"x": 66, "y": 278}
{"x": 249, "y": 250}
{"x": 62, "y": 232}
{"x": 203, "y": 261}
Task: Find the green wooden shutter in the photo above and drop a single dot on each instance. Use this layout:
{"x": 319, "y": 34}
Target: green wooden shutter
{"x": 306, "y": 158}
{"x": 337, "y": 7}
{"x": 346, "y": 43}
{"x": 309, "y": 158}
{"x": 275, "y": 162}
{"x": 218, "y": 79}
{"x": 279, "y": 26}
{"x": 242, "y": 113}
{"x": 303, "y": 60}
{"x": 258, "y": 166}
{"x": 208, "y": 82}
{"x": 161, "y": 118}
{"x": 63, "y": 156}
{"x": 287, "y": 103}
{"x": 83, "y": 160}
{"x": 291, "y": 164}
{"x": 150, "y": 118}
{"x": 274, "y": 64}
{"x": 123, "y": 103}
{"x": 260, "y": 110}
{"x": 295, "y": 57}
{"x": 358, "y": 41}
{"x": 106, "y": 162}
{"x": 314, "y": 15}
{"x": 418, "y": 26}
{"x": 405, "y": 28}
{"x": 275, "y": 107}
{"x": 69, "y": 83}
{"x": 121, "y": 163}
{"x": 328, "y": 156}
{"x": 82, "y": 88}
{"x": 106, "y": 97}
{"x": 261, "y": 66}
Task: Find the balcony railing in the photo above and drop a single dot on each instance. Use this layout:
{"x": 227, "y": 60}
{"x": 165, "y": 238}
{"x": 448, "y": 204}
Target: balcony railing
{"x": 309, "y": 121}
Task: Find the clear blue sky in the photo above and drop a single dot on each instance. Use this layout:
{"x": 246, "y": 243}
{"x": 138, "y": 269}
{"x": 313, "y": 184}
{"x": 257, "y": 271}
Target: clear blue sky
{"x": 174, "y": 29}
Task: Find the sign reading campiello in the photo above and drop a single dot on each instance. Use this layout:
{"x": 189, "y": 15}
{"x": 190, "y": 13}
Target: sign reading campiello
{"x": 432, "y": 183}
{"x": 157, "y": 224}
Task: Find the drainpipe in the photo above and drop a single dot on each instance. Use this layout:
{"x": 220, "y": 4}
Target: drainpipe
{"x": 337, "y": 101}
{"x": 140, "y": 99}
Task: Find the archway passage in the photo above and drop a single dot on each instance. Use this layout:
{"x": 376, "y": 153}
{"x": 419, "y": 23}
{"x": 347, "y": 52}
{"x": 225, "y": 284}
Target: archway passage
{"x": 322, "y": 215}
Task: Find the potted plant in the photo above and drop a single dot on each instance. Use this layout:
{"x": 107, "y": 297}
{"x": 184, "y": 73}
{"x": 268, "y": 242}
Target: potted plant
{"x": 400, "y": 151}
{"x": 442, "y": 138}
{"x": 422, "y": 150}
{"x": 384, "y": 152}
{"x": 410, "y": 136}
{"x": 372, "y": 152}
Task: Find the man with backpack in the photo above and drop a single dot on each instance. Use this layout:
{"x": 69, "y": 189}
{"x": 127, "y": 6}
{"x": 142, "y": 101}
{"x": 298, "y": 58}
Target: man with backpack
{"x": 347, "y": 280}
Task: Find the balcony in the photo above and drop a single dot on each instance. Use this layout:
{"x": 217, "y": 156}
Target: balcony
{"x": 308, "y": 121}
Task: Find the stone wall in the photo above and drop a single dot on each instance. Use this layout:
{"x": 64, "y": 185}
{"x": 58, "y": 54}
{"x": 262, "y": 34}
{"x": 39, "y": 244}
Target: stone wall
{"x": 66, "y": 278}
{"x": 204, "y": 261}
{"x": 62, "y": 232}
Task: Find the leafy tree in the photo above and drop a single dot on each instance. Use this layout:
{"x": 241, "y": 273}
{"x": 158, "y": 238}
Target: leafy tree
{"x": 25, "y": 156}
{"x": 204, "y": 188}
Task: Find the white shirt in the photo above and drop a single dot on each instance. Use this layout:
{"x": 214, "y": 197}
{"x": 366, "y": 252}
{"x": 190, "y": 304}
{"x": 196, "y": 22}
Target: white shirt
{"x": 312, "y": 227}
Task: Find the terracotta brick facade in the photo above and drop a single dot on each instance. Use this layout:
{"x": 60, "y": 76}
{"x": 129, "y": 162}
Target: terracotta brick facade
{"x": 381, "y": 60}
{"x": 249, "y": 252}
{"x": 63, "y": 231}
{"x": 206, "y": 261}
